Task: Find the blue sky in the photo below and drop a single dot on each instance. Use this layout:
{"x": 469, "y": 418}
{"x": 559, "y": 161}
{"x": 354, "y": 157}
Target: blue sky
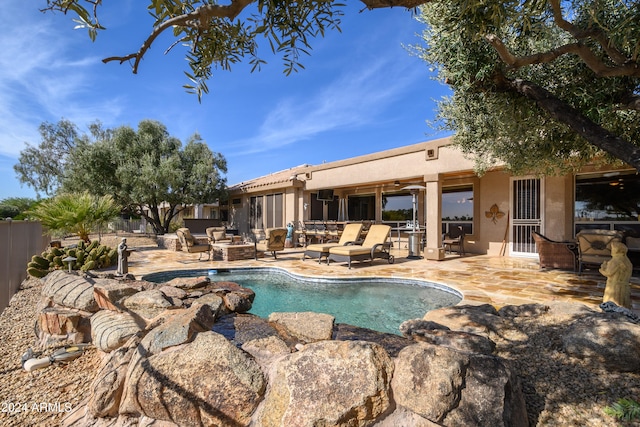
{"x": 360, "y": 91}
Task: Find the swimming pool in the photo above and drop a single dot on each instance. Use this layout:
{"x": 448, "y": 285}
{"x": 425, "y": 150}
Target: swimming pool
{"x": 381, "y": 304}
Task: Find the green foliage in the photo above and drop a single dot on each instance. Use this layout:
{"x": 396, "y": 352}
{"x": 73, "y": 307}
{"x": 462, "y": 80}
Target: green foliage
{"x": 496, "y": 121}
{"x": 15, "y": 207}
{"x": 213, "y": 37}
{"x": 75, "y": 213}
{"x": 147, "y": 168}
{"x": 624, "y": 409}
{"x": 40, "y": 266}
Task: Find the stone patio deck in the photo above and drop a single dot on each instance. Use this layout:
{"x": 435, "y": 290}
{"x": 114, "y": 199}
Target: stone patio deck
{"x": 481, "y": 279}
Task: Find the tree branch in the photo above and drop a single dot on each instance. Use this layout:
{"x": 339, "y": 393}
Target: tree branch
{"x": 599, "y": 68}
{"x": 592, "y": 33}
{"x": 196, "y": 19}
{"x": 590, "y": 131}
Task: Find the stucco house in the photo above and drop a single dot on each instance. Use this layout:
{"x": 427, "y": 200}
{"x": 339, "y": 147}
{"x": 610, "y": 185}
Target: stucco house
{"x": 498, "y": 211}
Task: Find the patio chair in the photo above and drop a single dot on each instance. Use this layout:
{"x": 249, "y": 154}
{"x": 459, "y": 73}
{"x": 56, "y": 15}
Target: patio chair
{"x": 273, "y": 242}
{"x": 375, "y": 245}
{"x": 350, "y": 235}
{"x": 217, "y": 235}
{"x": 554, "y": 254}
{"x": 188, "y": 243}
{"x": 455, "y": 238}
{"x": 594, "y": 246}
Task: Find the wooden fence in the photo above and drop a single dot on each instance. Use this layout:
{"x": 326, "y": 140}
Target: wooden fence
{"x": 19, "y": 241}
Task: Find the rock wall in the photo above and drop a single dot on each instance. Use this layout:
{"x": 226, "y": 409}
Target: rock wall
{"x": 186, "y": 353}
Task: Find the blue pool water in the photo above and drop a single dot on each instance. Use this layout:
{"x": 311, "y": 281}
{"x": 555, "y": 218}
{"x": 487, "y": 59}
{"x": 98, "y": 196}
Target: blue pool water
{"x": 374, "y": 303}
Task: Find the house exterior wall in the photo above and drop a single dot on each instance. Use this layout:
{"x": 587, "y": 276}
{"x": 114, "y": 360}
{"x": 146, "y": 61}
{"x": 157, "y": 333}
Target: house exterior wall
{"x": 437, "y": 166}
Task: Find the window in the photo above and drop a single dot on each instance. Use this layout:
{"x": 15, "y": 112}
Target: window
{"x": 362, "y": 208}
{"x": 274, "y": 212}
{"x": 397, "y": 207}
{"x": 457, "y": 208}
{"x": 608, "y": 201}
{"x": 255, "y": 212}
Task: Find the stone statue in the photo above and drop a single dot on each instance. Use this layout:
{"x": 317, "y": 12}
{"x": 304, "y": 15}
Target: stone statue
{"x": 123, "y": 254}
{"x": 288, "y": 242}
{"x": 618, "y": 273}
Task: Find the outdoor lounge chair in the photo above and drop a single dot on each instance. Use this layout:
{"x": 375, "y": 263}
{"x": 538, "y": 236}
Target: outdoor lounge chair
{"x": 375, "y": 245}
{"x": 453, "y": 239}
{"x": 217, "y": 235}
{"x": 553, "y": 254}
{"x": 594, "y": 246}
{"x": 350, "y": 235}
{"x": 274, "y": 241}
{"x": 189, "y": 244}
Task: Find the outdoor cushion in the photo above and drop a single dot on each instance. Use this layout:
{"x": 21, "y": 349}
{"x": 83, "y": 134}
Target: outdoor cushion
{"x": 219, "y": 235}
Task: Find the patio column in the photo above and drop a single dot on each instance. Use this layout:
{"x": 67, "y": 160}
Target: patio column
{"x": 378, "y": 205}
{"x": 433, "y": 197}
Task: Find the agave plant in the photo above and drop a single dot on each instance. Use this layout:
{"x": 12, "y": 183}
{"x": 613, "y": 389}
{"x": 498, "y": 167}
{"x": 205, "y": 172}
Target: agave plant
{"x": 75, "y": 213}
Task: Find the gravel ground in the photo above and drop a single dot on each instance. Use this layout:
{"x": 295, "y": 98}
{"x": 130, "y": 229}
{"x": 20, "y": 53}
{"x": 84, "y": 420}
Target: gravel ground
{"x": 559, "y": 390}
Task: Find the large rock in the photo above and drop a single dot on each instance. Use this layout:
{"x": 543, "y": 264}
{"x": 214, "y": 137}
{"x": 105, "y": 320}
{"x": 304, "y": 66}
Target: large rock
{"x": 480, "y": 320}
{"x": 189, "y": 282}
{"x": 109, "y": 293}
{"x": 307, "y": 326}
{"x": 329, "y": 383}
{"x": 110, "y": 329}
{"x": 147, "y": 304}
{"x": 179, "y": 328}
{"x": 56, "y": 323}
{"x": 456, "y": 388}
{"x": 70, "y": 290}
{"x": 108, "y": 384}
{"x": 208, "y": 382}
{"x": 605, "y": 339}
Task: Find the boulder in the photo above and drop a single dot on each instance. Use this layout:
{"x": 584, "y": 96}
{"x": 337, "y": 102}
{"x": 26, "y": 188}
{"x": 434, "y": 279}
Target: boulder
{"x": 265, "y": 350}
{"x": 70, "y": 290}
{"x": 147, "y": 304}
{"x": 189, "y": 282}
{"x": 329, "y": 383}
{"x": 605, "y": 339}
{"x": 458, "y": 340}
{"x": 481, "y": 319}
{"x": 456, "y": 388}
{"x": 110, "y": 329}
{"x": 212, "y": 300}
{"x": 63, "y": 324}
{"x": 242, "y": 328}
{"x": 203, "y": 383}
{"x": 179, "y": 328}
{"x": 108, "y": 384}
{"x": 110, "y": 293}
{"x": 524, "y": 310}
{"x": 307, "y": 327}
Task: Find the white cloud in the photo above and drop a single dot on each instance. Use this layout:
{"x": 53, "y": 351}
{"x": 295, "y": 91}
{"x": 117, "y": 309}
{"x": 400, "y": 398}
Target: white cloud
{"x": 353, "y": 100}
{"x": 40, "y": 79}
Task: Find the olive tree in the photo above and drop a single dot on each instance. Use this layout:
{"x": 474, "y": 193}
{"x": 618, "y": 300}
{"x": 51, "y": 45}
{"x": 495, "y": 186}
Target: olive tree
{"x": 148, "y": 172}
{"x": 541, "y": 85}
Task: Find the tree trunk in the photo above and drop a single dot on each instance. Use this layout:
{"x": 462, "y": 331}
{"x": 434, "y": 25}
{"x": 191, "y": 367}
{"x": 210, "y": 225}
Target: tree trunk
{"x": 583, "y": 126}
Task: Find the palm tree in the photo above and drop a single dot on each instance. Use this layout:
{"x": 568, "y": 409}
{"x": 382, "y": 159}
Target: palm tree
{"x": 75, "y": 213}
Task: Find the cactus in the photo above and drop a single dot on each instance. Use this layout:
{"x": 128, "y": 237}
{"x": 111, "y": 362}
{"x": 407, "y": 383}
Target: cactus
{"x": 88, "y": 266}
{"x": 71, "y": 252}
{"x": 57, "y": 251}
{"x": 100, "y": 251}
{"x": 93, "y": 245}
{"x": 37, "y": 272}
{"x": 40, "y": 261}
{"x": 57, "y": 261}
{"x": 80, "y": 257}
